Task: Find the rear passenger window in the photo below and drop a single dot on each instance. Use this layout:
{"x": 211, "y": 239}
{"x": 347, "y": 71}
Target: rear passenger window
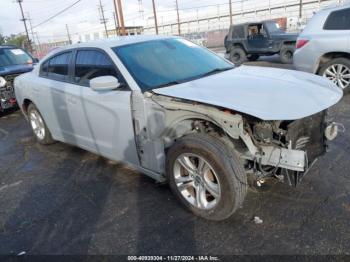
{"x": 91, "y": 64}
{"x": 58, "y": 66}
{"x": 238, "y": 32}
{"x": 338, "y": 20}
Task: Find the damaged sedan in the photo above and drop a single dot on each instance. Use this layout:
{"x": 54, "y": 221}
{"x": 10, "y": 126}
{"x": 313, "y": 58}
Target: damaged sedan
{"x": 181, "y": 114}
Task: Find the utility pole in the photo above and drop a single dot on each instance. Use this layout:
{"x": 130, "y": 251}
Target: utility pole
{"x": 103, "y": 19}
{"x": 301, "y": 9}
{"x": 230, "y": 3}
{"x": 121, "y": 16}
{"x": 116, "y": 18}
{"x": 39, "y": 45}
{"x": 155, "y": 16}
{"x": 141, "y": 9}
{"x": 178, "y": 17}
{"x": 116, "y": 23}
{"x": 31, "y": 30}
{"x": 25, "y": 24}
{"x": 69, "y": 38}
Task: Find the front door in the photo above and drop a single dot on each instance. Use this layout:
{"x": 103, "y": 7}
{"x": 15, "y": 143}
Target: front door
{"x": 102, "y": 120}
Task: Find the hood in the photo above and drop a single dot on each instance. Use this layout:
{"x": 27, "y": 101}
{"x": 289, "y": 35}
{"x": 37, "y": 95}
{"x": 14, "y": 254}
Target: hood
{"x": 15, "y": 69}
{"x": 265, "y": 93}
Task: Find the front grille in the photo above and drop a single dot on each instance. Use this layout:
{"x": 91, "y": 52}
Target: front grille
{"x": 308, "y": 134}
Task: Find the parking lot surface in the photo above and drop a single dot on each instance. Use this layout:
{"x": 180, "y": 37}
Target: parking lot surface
{"x": 59, "y": 199}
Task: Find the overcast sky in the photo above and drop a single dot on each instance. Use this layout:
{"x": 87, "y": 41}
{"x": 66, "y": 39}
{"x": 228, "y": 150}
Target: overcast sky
{"x": 85, "y": 15}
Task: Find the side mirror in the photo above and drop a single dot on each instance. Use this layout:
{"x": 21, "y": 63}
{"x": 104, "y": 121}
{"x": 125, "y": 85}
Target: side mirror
{"x": 104, "y": 83}
{"x": 35, "y": 60}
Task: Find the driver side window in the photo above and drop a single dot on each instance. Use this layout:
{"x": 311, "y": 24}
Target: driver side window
{"x": 90, "y": 64}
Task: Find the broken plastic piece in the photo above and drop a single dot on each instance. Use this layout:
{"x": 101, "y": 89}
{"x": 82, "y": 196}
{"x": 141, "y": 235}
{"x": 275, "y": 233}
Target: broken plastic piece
{"x": 258, "y": 220}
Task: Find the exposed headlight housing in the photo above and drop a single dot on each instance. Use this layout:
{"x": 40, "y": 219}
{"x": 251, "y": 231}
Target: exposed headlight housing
{"x": 2, "y": 81}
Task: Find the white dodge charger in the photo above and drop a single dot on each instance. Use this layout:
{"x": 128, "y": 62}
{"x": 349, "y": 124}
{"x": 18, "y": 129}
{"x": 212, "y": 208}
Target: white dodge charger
{"x": 179, "y": 113}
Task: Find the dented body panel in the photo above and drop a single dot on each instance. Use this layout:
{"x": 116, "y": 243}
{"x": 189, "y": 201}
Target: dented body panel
{"x": 266, "y": 93}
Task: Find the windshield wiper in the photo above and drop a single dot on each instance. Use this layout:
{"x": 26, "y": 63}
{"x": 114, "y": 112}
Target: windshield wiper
{"x": 216, "y": 70}
{"x": 171, "y": 83}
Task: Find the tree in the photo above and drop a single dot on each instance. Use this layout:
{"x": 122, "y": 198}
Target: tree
{"x": 18, "y": 40}
{"x": 2, "y": 39}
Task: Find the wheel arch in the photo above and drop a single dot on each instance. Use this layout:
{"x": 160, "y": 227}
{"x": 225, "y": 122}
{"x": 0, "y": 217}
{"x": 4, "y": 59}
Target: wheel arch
{"x": 240, "y": 45}
{"x": 197, "y": 123}
{"x": 25, "y": 105}
{"x": 328, "y": 57}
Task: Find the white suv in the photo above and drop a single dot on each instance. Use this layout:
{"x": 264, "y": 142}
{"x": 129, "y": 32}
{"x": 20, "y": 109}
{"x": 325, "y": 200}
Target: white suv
{"x": 324, "y": 46}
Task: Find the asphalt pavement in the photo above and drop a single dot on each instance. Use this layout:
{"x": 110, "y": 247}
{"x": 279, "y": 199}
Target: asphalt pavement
{"x": 59, "y": 199}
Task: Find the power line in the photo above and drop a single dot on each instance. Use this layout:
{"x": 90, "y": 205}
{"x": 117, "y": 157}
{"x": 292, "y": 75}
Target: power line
{"x": 55, "y": 15}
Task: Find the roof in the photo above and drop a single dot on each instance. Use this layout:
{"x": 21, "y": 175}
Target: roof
{"x": 118, "y": 41}
{"x": 336, "y": 7}
{"x": 254, "y": 22}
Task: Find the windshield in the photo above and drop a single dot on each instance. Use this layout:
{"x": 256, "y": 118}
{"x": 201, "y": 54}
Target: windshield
{"x": 14, "y": 56}
{"x": 159, "y": 63}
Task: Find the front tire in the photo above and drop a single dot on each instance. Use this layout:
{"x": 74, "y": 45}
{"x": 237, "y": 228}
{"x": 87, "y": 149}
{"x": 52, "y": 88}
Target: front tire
{"x": 206, "y": 176}
{"x": 338, "y": 71}
{"x": 38, "y": 125}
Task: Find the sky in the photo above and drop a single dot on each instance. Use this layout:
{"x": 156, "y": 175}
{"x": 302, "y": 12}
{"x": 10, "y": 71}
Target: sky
{"x": 84, "y": 16}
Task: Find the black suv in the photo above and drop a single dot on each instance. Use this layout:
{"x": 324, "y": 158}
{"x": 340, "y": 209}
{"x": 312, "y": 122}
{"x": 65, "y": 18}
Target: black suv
{"x": 251, "y": 40}
{"x": 13, "y": 62}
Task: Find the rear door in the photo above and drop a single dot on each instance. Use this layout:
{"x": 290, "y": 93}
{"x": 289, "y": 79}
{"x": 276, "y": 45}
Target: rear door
{"x": 49, "y": 95}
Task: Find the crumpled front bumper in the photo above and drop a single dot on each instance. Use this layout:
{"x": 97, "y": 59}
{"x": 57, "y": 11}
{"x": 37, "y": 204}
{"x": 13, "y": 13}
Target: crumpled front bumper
{"x": 307, "y": 141}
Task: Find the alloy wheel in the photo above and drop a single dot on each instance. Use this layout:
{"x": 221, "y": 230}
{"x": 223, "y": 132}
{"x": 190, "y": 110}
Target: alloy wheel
{"x": 339, "y": 74}
{"x": 37, "y": 124}
{"x": 197, "y": 181}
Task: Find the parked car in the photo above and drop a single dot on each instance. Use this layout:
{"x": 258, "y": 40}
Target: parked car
{"x": 323, "y": 48}
{"x": 180, "y": 113}
{"x": 249, "y": 41}
{"x": 13, "y": 62}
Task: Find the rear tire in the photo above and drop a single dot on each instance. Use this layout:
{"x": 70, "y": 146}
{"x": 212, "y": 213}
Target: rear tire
{"x": 286, "y": 54}
{"x": 332, "y": 66}
{"x": 224, "y": 183}
{"x": 38, "y": 125}
{"x": 238, "y": 56}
